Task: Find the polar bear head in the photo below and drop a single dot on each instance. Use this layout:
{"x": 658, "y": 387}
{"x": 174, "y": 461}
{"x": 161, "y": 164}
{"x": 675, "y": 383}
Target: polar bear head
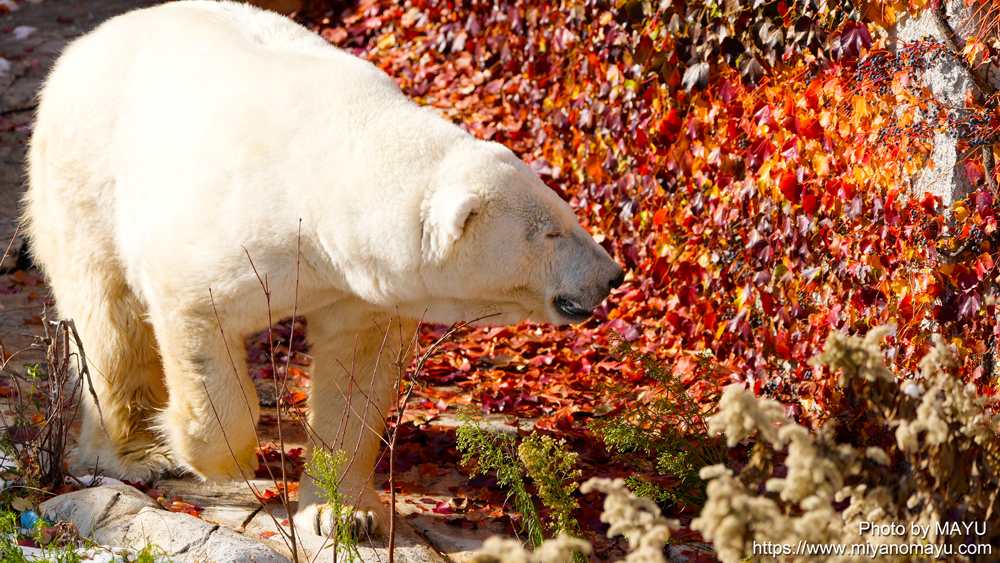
{"x": 497, "y": 241}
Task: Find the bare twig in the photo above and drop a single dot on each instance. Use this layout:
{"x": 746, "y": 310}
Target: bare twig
{"x": 989, "y": 166}
{"x": 279, "y": 391}
{"x": 18, "y": 108}
{"x": 9, "y": 246}
{"x": 342, "y": 433}
{"x": 286, "y": 499}
{"x": 288, "y": 538}
{"x": 85, "y": 373}
{"x": 401, "y": 410}
{"x": 262, "y": 502}
{"x": 251, "y": 516}
{"x": 40, "y": 455}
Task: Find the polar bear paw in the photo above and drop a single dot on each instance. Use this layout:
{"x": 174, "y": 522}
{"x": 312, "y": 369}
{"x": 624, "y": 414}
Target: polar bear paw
{"x": 141, "y": 463}
{"x": 147, "y": 465}
{"x": 370, "y": 520}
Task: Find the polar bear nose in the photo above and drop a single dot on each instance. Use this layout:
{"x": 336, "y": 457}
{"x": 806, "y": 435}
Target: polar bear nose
{"x": 618, "y": 280}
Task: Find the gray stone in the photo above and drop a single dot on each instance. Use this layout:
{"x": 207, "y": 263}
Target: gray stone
{"x": 190, "y": 539}
{"x": 102, "y": 513}
{"x": 121, "y": 516}
{"x": 265, "y": 392}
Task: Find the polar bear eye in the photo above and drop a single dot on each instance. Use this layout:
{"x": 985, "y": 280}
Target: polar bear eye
{"x": 553, "y": 234}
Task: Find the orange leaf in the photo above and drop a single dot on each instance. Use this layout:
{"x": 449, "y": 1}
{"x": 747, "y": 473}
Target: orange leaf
{"x": 659, "y": 216}
{"x": 295, "y": 397}
{"x": 821, "y": 164}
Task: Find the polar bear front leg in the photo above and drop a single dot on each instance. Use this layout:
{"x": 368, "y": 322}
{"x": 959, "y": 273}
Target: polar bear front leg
{"x": 126, "y": 375}
{"x": 213, "y": 406}
{"x": 353, "y": 385}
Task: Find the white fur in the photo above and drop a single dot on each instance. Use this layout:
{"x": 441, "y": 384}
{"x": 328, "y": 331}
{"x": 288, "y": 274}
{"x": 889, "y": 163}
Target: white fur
{"x": 176, "y": 143}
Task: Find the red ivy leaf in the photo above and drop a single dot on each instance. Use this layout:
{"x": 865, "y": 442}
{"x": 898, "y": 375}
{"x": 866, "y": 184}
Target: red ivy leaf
{"x": 789, "y": 187}
{"x": 969, "y": 304}
{"x": 854, "y": 39}
{"x": 974, "y": 171}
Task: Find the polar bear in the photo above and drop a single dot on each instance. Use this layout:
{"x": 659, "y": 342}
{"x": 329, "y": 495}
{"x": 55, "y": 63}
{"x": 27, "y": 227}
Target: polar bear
{"x": 177, "y": 143}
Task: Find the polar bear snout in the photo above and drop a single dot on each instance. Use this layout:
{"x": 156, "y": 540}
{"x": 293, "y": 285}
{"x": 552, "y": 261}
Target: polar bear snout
{"x": 618, "y": 280}
{"x": 570, "y": 310}
{"x": 578, "y": 306}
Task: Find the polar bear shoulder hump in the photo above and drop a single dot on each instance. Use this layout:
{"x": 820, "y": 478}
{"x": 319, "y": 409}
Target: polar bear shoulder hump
{"x": 232, "y": 21}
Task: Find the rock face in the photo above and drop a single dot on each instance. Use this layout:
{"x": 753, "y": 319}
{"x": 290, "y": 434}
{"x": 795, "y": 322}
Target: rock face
{"x": 949, "y": 83}
{"x": 119, "y": 515}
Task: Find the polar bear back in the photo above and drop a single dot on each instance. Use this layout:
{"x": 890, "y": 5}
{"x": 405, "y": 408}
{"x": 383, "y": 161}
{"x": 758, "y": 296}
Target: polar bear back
{"x": 228, "y": 66}
{"x": 195, "y": 112}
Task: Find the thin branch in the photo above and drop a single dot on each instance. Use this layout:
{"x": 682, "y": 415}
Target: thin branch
{"x": 401, "y": 410}
{"x": 262, "y": 502}
{"x": 251, "y": 516}
{"x": 289, "y": 539}
{"x": 18, "y": 108}
{"x": 279, "y": 394}
{"x": 989, "y": 166}
{"x": 232, "y": 362}
{"x": 9, "y": 246}
{"x": 950, "y": 41}
{"x": 85, "y": 372}
{"x": 350, "y": 409}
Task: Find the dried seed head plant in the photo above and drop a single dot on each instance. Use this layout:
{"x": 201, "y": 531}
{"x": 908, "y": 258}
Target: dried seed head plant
{"x": 933, "y": 487}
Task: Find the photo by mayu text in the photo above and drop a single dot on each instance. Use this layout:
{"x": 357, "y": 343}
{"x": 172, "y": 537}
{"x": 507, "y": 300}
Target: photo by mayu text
{"x": 973, "y": 528}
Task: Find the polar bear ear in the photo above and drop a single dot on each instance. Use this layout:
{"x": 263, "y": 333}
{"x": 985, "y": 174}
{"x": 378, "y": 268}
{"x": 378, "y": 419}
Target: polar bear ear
{"x": 457, "y": 214}
{"x": 444, "y": 219}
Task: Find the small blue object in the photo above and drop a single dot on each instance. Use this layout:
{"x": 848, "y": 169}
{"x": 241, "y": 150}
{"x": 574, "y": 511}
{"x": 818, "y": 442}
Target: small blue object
{"x": 29, "y": 518}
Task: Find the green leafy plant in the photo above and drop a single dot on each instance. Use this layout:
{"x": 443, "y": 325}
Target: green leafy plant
{"x": 327, "y": 468}
{"x": 497, "y": 451}
{"x": 664, "y": 422}
{"x": 60, "y": 543}
{"x": 150, "y": 554}
{"x": 9, "y": 551}
{"x": 544, "y": 459}
{"x": 69, "y": 553}
{"x": 552, "y": 469}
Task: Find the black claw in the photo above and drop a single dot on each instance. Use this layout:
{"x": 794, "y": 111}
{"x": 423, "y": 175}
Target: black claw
{"x": 359, "y": 528}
